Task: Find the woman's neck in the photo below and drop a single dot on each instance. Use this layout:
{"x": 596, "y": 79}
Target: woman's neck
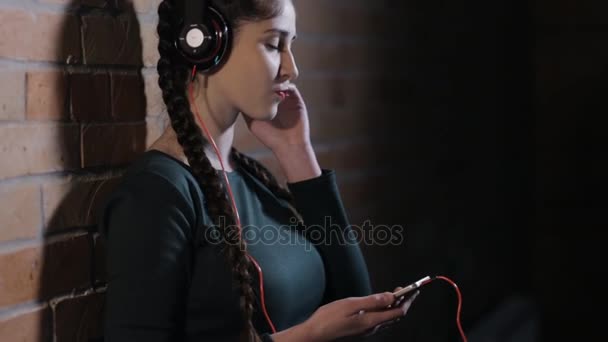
{"x": 219, "y": 117}
{"x": 168, "y": 143}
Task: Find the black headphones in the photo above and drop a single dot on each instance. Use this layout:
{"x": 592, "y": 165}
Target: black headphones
{"x": 204, "y": 38}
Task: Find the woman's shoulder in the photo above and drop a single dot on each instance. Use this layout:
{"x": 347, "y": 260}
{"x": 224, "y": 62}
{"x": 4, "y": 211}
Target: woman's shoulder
{"x": 154, "y": 174}
{"x": 155, "y": 164}
{"x": 154, "y": 184}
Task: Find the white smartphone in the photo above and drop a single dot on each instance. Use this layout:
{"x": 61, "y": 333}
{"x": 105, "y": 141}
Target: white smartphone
{"x": 411, "y": 288}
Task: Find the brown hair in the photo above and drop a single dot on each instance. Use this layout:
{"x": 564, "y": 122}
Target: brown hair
{"x": 173, "y": 81}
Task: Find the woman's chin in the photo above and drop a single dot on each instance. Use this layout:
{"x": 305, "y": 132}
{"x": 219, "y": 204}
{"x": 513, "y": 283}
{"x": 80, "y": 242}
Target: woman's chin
{"x": 268, "y": 115}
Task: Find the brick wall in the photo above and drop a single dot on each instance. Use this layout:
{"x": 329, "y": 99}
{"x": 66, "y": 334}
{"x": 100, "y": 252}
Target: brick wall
{"x": 79, "y": 101}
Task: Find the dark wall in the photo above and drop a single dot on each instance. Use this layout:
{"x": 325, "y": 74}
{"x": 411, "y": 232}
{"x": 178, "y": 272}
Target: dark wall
{"x": 496, "y": 166}
{"x": 571, "y": 58}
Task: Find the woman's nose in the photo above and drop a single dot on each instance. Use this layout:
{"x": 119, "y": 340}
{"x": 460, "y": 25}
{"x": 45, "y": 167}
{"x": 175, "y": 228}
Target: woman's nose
{"x": 289, "y": 69}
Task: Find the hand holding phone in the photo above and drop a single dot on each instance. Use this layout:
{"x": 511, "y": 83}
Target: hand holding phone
{"x": 403, "y": 298}
{"x": 409, "y": 290}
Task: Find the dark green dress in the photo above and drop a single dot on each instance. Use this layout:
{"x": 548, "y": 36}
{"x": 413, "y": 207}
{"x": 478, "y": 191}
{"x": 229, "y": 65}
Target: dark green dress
{"x": 167, "y": 280}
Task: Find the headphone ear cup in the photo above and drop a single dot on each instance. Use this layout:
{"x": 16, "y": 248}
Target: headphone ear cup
{"x": 205, "y": 44}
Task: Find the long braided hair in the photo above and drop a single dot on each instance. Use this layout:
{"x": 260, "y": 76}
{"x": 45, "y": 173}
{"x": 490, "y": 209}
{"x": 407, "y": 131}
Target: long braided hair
{"x": 173, "y": 81}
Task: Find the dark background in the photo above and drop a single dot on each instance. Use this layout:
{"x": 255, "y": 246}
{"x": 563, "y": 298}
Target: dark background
{"x": 498, "y": 168}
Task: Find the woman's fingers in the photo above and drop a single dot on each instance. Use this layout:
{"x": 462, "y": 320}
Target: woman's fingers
{"x": 358, "y": 305}
{"x": 406, "y": 305}
{"x": 397, "y": 300}
{"x": 382, "y": 326}
{"x": 381, "y": 320}
{"x": 373, "y": 318}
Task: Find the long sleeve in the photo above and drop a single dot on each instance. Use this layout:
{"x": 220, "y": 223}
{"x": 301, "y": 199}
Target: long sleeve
{"x": 320, "y": 205}
{"x": 147, "y": 230}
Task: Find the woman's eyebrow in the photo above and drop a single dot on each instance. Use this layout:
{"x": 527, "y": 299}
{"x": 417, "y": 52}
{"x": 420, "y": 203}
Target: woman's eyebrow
{"x": 282, "y": 32}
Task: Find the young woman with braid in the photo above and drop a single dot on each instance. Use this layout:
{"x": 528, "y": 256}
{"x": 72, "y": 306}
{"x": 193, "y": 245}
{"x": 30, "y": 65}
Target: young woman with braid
{"x": 177, "y": 265}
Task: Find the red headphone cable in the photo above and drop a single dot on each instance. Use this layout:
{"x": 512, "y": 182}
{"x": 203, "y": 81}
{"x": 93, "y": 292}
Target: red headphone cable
{"x": 459, "y": 295}
{"x": 238, "y": 220}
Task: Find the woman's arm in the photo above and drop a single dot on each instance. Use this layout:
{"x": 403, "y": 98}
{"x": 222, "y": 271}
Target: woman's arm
{"x": 297, "y": 333}
{"x": 298, "y": 162}
{"x": 146, "y": 228}
{"x": 318, "y": 201}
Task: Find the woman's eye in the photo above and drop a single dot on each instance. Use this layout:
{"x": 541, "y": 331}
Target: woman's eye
{"x": 272, "y": 47}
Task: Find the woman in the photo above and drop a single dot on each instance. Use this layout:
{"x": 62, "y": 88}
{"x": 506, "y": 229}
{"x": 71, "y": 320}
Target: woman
{"x": 182, "y": 264}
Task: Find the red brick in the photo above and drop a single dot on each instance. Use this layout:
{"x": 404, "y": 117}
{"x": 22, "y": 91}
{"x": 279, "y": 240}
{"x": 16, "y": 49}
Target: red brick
{"x": 31, "y": 326}
{"x": 20, "y": 215}
{"x": 74, "y": 203}
{"x": 66, "y": 266}
{"x": 38, "y": 148}
{"x": 90, "y": 97}
{"x": 80, "y": 318}
{"x": 47, "y": 95}
{"x": 21, "y": 276}
{"x": 112, "y": 40}
{"x": 112, "y": 144}
{"x": 60, "y": 31}
{"x": 40, "y": 273}
{"x": 12, "y": 95}
{"x": 127, "y": 97}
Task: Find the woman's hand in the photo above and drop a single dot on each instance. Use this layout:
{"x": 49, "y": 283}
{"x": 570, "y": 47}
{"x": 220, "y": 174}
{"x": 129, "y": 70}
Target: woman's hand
{"x": 288, "y": 137}
{"x": 398, "y": 303}
{"x": 289, "y": 127}
{"x": 356, "y": 316}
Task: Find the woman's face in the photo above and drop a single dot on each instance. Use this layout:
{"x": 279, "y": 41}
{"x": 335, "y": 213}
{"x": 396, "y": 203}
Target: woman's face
{"x": 261, "y": 62}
